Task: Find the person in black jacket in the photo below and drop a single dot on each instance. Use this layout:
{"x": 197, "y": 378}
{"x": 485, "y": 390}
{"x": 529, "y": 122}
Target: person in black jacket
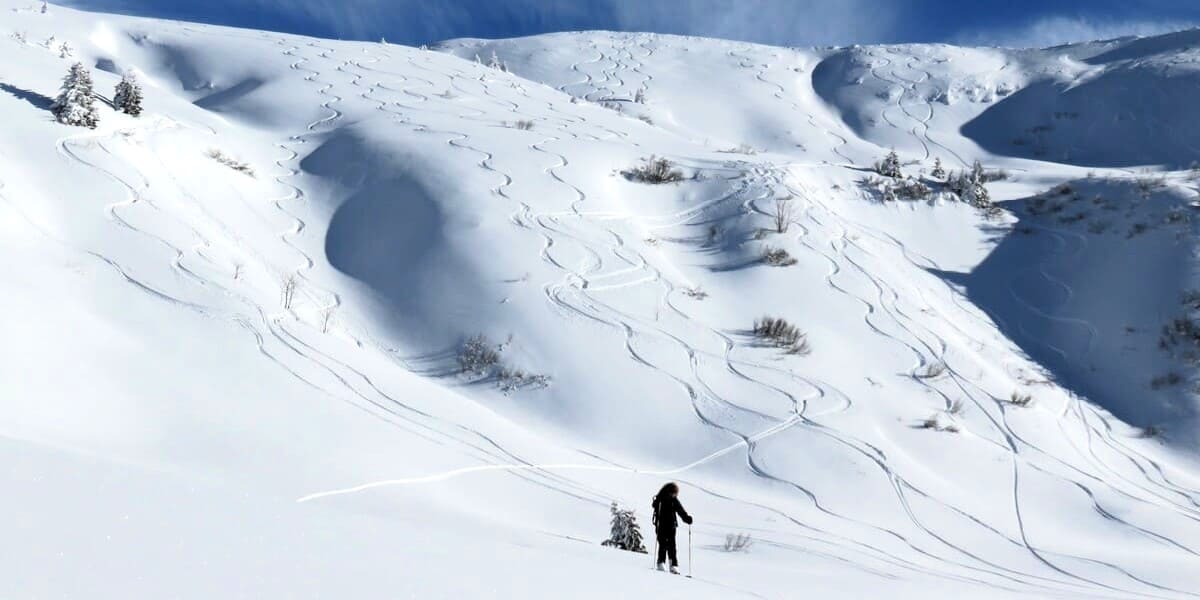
{"x": 666, "y": 506}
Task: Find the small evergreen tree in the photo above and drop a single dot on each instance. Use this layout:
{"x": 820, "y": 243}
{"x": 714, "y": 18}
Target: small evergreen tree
{"x": 890, "y": 167}
{"x": 76, "y": 104}
{"x": 128, "y": 96}
{"x": 976, "y": 194}
{"x": 939, "y": 172}
{"x": 625, "y": 534}
{"x": 977, "y": 173}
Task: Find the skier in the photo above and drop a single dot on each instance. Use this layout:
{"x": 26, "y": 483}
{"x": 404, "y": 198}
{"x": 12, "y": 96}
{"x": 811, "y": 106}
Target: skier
{"x": 666, "y": 505}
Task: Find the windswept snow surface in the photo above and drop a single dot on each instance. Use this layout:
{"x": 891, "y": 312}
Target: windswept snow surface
{"x": 243, "y": 383}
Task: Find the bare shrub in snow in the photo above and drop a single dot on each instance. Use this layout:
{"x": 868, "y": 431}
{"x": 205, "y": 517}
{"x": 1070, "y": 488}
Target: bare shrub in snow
{"x": 1019, "y": 399}
{"x": 287, "y": 290}
{"x": 511, "y": 380}
{"x": 911, "y": 189}
{"x": 230, "y": 162}
{"x": 889, "y": 193}
{"x": 777, "y": 257}
{"x": 640, "y": 96}
{"x": 695, "y": 293}
{"x": 1170, "y": 379}
{"x": 1177, "y": 216}
{"x": 939, "y": 422}
{"x": 1182, "y": 336}
{"x": 1148, "y": 184}
{"x": 479, "y": 357}
{"x": 944, "y": 421}
{"x": 889, "y": 166}
{"x": 327, "y": 317}
{"x": 1150, "y": 431}
{"x": 19, "y": 36}
{"x": 523, "y": 125}
{"x": 76, "y": 102}
{"x": 737, "y": 542}
{"x": 781, "y": 334}
{"x": 624, "y": 532}
{"x": 782, "y": 215}
{"x": 654, "y": 170}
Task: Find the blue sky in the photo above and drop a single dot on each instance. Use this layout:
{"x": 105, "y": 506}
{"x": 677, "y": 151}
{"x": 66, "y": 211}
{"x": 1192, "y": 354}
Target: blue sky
{"x": 781, "y": 22}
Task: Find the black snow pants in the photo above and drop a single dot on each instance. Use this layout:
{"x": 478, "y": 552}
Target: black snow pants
{"x": 666, "y": 546}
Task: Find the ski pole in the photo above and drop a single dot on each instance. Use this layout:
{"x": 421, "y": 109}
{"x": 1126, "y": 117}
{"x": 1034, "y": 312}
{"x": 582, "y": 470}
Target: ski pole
{"x": 689, "y": 549}
{"x": 654, "y": 557}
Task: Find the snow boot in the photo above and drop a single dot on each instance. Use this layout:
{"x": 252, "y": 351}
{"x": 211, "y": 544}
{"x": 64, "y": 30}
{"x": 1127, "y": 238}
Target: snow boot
{"x": 660, "y": 567}
{"x": 674, "y": 569}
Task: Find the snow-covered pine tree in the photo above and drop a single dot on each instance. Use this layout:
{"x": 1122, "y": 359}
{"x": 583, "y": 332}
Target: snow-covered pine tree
{"x": 625, "y": 534}
{"x": 977, "y": 172}
{"x": 976, "y": 194}
{"x": 939, "y": 172}
{"x": 890, "y": 167}
{"x": 128, "y": 96}
{"x": 76, "y": 104}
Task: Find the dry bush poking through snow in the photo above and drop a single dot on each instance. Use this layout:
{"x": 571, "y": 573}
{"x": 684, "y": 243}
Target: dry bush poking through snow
{"x": 911, "y": 189}
{"x": 288, "y": 290}
{"x": 944, "y": 421}
{"x": 654, "y": 170}
{"x": 939, "y": 422}
{"x": 480, "y": 359}
{"x": 523, "y": 124}
{"x": 1019, "y": 399}
{"x": 782, "y": 216}
{"x": 511, "y": 380}
{"x": 777, "y": 257}
{"x": 230, "y": 162}
{"x": 783, "y": 335}
{"x": 737, "y": 542}
{"x": 1170, "y": 379}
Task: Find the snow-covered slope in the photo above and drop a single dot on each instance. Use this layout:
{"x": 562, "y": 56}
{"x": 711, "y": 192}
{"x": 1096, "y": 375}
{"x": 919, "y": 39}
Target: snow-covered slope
{"x": 245, "y": 383}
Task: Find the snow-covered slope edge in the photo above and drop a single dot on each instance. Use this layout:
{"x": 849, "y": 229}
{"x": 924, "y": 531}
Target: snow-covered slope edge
{"x": 167, "y": 403}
